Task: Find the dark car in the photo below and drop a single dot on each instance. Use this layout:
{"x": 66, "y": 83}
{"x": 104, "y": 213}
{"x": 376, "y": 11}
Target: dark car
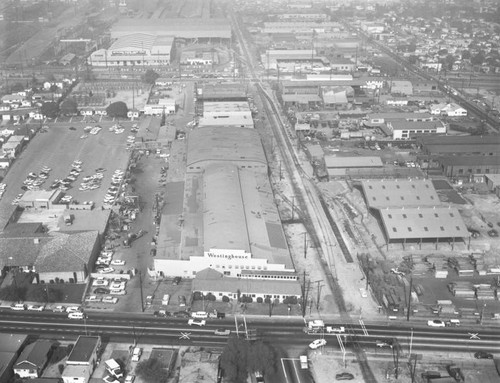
{"x": 181, "y": 314}
{"x": 176, "y": 280}
{"x": 152, "y": 252}
{"x": 162, "y": 314}
{"x": 344, "y": 376}
{"x": 101, "y": 290}
{"x": 483, "y": 355}
{"x": 384, "y": 343}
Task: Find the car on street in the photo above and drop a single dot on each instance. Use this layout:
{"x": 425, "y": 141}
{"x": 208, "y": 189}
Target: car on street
{"x": 118, "y": 262}
{"x": 73, "y": 309}
{"x": 101, "y": 290}
{"x": 317, "y": 343}
{"x": 109, "y": 379}
{"x": 161, "y": 314}
{"x": 197, "y": 322}
{"x": 384, "y": 343}
{"x": 129, "y": 379}
{"x": 344, "y": 376}
{"x": 108, "y": 299}
{"x": 59, "y": 309}
{"x": 76, "y": 315}
{"x": 36, "y": 307}
{"x": 222, "y": 331}
{"x": 483, "y": 355}
{"x": 92, "y": 298}
{"x": 436, "y": 323}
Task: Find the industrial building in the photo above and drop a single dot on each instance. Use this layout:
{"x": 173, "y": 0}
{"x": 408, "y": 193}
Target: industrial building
{"x": 188, "y": 29}
{"x": 235, "y": 114}
{"x": 137, "y": 49}
{"x": 409, "y": 210}
{"x": 223, "y": 216}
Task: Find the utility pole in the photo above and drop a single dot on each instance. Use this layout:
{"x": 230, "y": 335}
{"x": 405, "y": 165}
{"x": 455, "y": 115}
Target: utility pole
{"x": 319, "y": 295}
{"x": 293, "y": 207}
{"x": 408, "y": 308}
{"x": 140, "y": 285}
{"x": 305, "y": 244}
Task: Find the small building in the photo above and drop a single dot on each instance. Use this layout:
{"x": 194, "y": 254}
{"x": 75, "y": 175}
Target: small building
{"x": 13, "y": 146}
{"x": 40, "y": 199}
{"x": 76, "y": 374}
{"x": 33, "y": 359}
{"x": 164, "y": 105}
{"x": 405, "y": 130}
{"x": 450, "y": 110}
{"x": 493, "y": 182}
{"x": 338, "y": 166}
{"x": 10, "y": 347}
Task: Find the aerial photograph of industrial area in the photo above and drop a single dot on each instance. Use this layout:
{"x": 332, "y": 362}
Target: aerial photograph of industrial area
{"x": 249, "y": 191}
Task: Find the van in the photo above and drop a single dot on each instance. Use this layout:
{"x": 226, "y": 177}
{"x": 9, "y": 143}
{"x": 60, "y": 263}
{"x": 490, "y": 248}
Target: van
{"x": 136, "y": 354}
{"x": 113, "y": 368}
{"x": 304, "y": 365}
{"x": 199, "y": 315}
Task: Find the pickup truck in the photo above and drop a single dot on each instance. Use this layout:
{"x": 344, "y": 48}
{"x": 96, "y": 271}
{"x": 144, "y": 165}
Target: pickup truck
{"x": 331, "y": 329}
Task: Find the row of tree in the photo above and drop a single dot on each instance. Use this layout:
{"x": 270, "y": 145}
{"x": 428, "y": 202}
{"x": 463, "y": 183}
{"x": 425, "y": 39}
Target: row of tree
{"x": 69, "y": 107}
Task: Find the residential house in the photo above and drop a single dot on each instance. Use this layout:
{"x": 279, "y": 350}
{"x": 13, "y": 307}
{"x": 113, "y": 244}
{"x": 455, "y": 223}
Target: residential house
{"x": 33, "y": 359}
{"x": 450, "y": 110}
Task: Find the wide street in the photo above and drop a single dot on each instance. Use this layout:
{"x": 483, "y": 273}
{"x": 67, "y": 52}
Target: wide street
{"x": 284, "y": 334}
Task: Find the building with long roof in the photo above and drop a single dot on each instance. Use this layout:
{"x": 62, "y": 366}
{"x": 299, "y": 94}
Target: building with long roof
{"x": 189, "y": 29}
{"x": 223, "y": 216}
{"x": 409, "y": 210}
{"x": 137, "y": 49}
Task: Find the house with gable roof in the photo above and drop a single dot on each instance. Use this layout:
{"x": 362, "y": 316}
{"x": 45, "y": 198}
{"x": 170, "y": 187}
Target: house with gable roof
{"x": 33, "y": 359}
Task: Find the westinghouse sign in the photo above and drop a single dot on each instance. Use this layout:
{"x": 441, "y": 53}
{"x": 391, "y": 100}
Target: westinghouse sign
{"x": 227, "y": 254}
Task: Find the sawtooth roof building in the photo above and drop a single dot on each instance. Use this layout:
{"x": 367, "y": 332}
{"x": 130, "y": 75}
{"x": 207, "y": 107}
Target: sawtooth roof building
{"x": 189, "y": 29}
{"x": 223, "y": 216}
{"x": 410, "y": 210}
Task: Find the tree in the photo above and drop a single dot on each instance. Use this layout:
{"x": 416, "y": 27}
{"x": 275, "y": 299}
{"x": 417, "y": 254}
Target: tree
{"x": 152, "y": 370}
{"x": 13, "y": 293}
{"x": 234, "y": 360}
{"x": 69, "y": 107}
{"x": 150, "y": 76}
{"x": 241, "y": 357}
{"x": 50, "y": 109}
{"x": 117, "y": 109}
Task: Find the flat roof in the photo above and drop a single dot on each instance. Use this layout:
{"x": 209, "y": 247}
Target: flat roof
{"x": 459, "y": 140}
{"x": 226, "y": 144}
{"x": 353, "y": 162}
{"x": 225, "y": 107}
{"x": 12, "y": 342}
{"x": 413, "y": 125}
{"x": 83, "y": 349}
{"x": 389, "y": 193}
{"x": 423, "y": 223}
{"x": 486, "y": 148}
{"x": 399, "y": 115}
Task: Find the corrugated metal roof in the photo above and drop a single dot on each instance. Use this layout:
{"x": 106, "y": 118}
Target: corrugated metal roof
{"x": 353, "y": 162}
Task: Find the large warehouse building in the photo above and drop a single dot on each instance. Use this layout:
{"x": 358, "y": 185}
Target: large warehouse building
{"x": 189, "y": 29}
{"x": 138, "y": 49}
{"x": 409, "y": 210}
{"x": 224, "y": 215}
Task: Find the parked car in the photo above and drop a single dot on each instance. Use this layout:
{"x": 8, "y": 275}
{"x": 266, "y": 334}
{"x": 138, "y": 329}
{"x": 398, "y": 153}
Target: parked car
{"x": 100, "y": 282}
{"x": 92, "y": 298}
{"x": 181, "y": 314}
{"x": 136, "y": 354}
{"x": 101, "y": 290}
{"x": 73, "y": 309}
{"x": 344, "y": 376}
{"x": 106, "y": 270}
{"x": 36, "y": 307}
{"x": 436, "y": 323}
{"x": 317, "y": 343}
{"x": 18, "y": 307}
{"x": 108, "y": 299}
{"x": 483, "y": 355}
{"x": 161, "y": 313}
{"x": 59, "y": 309}
{"x": 129, "y": 379}
{"x": 117, "y": 262}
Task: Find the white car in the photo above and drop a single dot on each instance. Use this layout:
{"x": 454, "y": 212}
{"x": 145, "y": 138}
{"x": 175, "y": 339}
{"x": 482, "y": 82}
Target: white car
{"x": 107, "y": 253}
{"x": 436, "y": 323}
{"x": 59, "y": 309}
{"x": 317, "y": 343}
{"x": 92, "y": 298}
{"x": 107, "y": 299}
{"x": 117, "y": 262}
{"x": 106, "y": 270}
{"x": 73, "y": 309}
{"x": 117, "y": 285}
{"x": 197, "y": 322}
{"x": 36, "y": 307}
{"x": 18, "y": 307}
{"x": 76, "y": 315}
{"x": 117, "y": 292}
{"x": 136, "y": 354}
{"x": 129, "y": 379}
{"x": 100, "y": 282}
